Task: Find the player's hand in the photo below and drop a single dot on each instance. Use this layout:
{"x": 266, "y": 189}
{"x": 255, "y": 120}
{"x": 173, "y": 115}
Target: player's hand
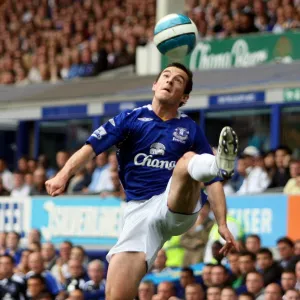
{"x": 55, "y": 186}
{"x": 230, "y": 241}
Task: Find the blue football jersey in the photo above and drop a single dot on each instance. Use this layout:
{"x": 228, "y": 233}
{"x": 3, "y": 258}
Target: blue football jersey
{"x": 148, "y": 148}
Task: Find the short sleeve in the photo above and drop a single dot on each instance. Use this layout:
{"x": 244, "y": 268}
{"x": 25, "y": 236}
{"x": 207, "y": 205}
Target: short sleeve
{"x": 111, "y": 133}
{"x": 201, "y": 144}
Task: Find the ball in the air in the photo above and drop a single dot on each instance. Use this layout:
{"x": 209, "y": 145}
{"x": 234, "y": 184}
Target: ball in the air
{"x": 175, "y": 35}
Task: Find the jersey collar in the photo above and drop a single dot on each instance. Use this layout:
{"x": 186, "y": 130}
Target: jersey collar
{"x": 149, "y": 106}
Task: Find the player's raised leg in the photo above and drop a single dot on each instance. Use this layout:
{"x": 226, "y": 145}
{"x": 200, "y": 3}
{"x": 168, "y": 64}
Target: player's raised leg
{"x": 192, "y": 169}
{"x": 126, "y": 270}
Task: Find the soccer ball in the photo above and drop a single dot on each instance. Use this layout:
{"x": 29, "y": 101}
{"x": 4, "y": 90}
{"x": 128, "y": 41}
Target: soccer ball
{"x": 175, "y": 35}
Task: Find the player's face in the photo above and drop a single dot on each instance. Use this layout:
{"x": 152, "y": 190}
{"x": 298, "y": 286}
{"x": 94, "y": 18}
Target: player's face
{"x": 169, "y": 88}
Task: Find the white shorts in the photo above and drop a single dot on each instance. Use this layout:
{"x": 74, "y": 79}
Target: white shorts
{"x": 148, "y": 224}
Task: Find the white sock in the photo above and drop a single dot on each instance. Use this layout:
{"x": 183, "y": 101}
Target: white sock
{"x": 203, "y": 167}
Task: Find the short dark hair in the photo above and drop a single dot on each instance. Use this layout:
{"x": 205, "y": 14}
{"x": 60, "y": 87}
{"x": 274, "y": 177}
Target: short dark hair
{"x": 265, "y": 251}
{"x": 189, "y": 84}
{"x": 285, "y": 240}
{"x": 38, "y": 277}
{"x": 248, "y": 294}
{"x": 14, "y": 232}
{"x": 222, "y": 267}
{"x": 68, "y": 242}
{"x": 284, "y": 148}
{"x": 228, "y": 287}
{"x": 257, "y": 273}
{"x": 248, "y": 253}
{"x": 286, "y": 271}
{"x": 188, "y": 270}
{"x": 12, "y": 260}
{"x": 254, "y": 236}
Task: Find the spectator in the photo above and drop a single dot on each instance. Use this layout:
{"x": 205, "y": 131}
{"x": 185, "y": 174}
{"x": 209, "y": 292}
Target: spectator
{"x": 36, "y": 266}
{"x": 255, "y": 284}
{"x": 233, "y": 261}
{"x": 61, "y": 159}
{"x": 76, "y": 279}
{"x": 20, "y": 188}
{"x": 146, "y": 290}
{"x": 194, "y": 240}
{"x": 75, "y": 66}
{"x": 219, "y": 276}
{"x": 34, "y": 247}
{"x": 247, "y": 261}
{"x": 83, "y": 184}
{"x": 293, "y": 186}
{"x": 253, "y": 243}
{"x": 31, "y": 165}
{"x": 76, "y": 295}
{"x": 228, "y": 293}
{"x": 246, "y": 296}
{"x": 273, "y": 292}
{"x": 186, "y": 277}
{"x": 165, "y": 290}
{"x": 22, "y": 165}
{"x": 49, "y": 255}
{"x": 282, "y": 173}
{"x": 194, "y": 291}
{"x": 39, "y": 179}
{"x": 6, "y": 175}
{"x": 297, "y": 272}
{"x": 101, "y": 165}
{"x": 213, "y": 293}
{"x": 256, "y": 179}
{"x": 105, "y": 181}
{"x": 206, "y": 275}
{"x": 60, "y": 269}
{"x": 2, "y": 242}
{"x": 86, "y": 68}
{"x": 3, "y": 190}
{"x": 28, "y": 180}
{"x": 12, "y": 246}
{"x": 269, "y": 269}
{"x": 36, "y": 285}
{"x": 11, "y": 285}
{"x": 285, "y": 248}
{"x": 269, "y": 162}
{"x": 75, "y": 181}
{"x": 297, "y": 248}
{"x": 288, "y": 280}
{"x": 34, "y": 236}
{"x": 291, "y": 295}
{"x": 95, "y": 287}
{"x": 99, "y": 55}
{"x": 23, "y": 267}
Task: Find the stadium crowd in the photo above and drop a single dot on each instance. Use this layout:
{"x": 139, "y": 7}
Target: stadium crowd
{"x": 52, "y": 40}
{"x": 30, "y": 269}
{"x": 255, "y": 173}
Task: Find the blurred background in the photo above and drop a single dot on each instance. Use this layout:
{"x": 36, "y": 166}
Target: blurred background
{"x": 67, "y": 66}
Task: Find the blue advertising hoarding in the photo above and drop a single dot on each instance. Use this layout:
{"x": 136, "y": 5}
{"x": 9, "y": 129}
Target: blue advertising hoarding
{"x": 265, "y": 215}
{"x": 94, "y": 221}
{"x": 237, "y": 99}
{"x": 85, "y": 220}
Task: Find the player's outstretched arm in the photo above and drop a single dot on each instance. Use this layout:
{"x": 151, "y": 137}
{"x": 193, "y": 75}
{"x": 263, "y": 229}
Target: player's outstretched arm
{"x": 217, "y": 200}
{"x": 56, "y": 185}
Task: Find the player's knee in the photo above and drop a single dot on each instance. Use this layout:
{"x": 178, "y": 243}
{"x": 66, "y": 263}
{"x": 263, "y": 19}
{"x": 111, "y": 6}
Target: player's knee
{"x": 188, "y": 155}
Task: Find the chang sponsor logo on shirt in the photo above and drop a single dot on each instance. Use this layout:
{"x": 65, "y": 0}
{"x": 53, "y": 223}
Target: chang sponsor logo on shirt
{"x": 142, "y": 159}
